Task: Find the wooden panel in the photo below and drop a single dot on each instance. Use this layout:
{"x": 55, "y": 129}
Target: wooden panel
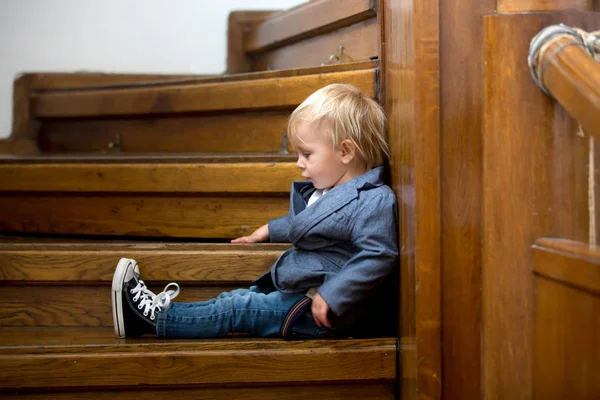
{"x": 346, "y": 391}
{"x": 264, "y": 93}
{"x": 193, "y": 264}
{"x": 61, "y": 306}
{"x": 535, "y": 184}
{"x": 461, "y": 112}
{"x": 573, "y": 78}
{"x": 411, "y": 69}
{"x": 150, "y": 177}
{"x": 351, "y": 361}
{"x": 360, "y": 42}
{"x": 567, "y": 348}
{"x": 152, "y": 215}
{"x": 238, "y": 23}
{"x": 306, "y": 20}
{"x": 567, "y": 261}
{"x": 508, "y": 6}
{"x": 248, "y": 132}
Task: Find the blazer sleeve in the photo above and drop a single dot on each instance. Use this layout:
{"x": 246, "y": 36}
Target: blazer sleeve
{"x": 279, "y": 229}
{"x": 374, "y": 233}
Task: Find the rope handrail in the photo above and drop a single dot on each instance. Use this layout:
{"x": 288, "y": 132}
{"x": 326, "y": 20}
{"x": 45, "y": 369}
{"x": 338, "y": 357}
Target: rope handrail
{"x": 565, "y": 63}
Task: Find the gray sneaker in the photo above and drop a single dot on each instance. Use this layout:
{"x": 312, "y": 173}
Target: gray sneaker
{"x": 135, "y": 308}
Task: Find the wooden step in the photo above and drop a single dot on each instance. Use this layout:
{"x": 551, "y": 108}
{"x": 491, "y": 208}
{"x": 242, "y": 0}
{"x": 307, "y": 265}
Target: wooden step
{"x": 303, "y": 36}
{"x": 205, "y": 130}
{"x": 151, "y": 196}
{"x": 263, "y": 94}
{"x": 78, "y": 359}
{"x": 67, "y": 283}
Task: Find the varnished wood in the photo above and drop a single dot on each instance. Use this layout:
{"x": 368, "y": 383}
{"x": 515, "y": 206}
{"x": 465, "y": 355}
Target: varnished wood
{"x": 62, "y": 80}
{"x": 411, "y": 68}
{"x": 567, "y": 332}
{"x": 569, "y": 262}
{"x": 345, "y": 391}
{"x": 238, "y": 23}
{"x": 261, "y": 94}
{"x": 359, "y": 42}
{"x": 193, "y": 263}
{"x": 461, "y": 123}
{"x": 304, "y": 21}
{"x": 152, "y": 215}
{"x": 573, "y": 78}
{"x": 508, "y": 6}
{"x": 23, "y": 125}
{"x": 255, "y": 177}
{"x": 5, "y": 146}
{"x": 362, "y": 362}
{"x": 245, "y": 132}
{"x": 198, "y": 79}
{"x": 81, "y": 305}
{"x": 536, "y": 186}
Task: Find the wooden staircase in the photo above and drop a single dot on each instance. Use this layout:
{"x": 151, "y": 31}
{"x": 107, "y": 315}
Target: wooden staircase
{"x": 165, "y": 170}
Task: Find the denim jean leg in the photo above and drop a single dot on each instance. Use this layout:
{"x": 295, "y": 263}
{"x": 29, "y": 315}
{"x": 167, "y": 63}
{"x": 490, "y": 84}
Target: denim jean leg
{"x": 239, "y": 311}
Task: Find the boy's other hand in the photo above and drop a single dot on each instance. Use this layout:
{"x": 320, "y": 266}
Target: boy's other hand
{"x": 259, "y": 235}
{"x": 319, "y": 310}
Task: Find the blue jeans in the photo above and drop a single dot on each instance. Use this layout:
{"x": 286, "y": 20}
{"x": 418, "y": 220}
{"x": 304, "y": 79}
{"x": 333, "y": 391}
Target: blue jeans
{"x": 250, "y": 311}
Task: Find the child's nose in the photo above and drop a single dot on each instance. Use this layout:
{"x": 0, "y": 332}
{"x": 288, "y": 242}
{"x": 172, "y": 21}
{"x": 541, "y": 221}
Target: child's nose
{"x": 299, "y": 164}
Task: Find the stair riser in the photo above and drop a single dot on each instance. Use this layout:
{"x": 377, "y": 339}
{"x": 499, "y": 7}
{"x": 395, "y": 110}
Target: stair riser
{"x": 251, "y": 132}
{"x": 83, "y": 306}
{"x": 148, "y": 216}
{"x": 188, "y": 267}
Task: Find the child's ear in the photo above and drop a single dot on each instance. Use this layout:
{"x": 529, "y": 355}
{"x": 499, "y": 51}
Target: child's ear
{"x": 347, "y": 150}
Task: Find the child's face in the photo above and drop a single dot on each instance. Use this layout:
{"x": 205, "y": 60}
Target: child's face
{"x": 319, "y": 161}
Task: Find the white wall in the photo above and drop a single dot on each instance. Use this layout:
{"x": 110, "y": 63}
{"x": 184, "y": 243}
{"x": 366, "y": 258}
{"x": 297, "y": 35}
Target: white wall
{"x": 177, "y": 36}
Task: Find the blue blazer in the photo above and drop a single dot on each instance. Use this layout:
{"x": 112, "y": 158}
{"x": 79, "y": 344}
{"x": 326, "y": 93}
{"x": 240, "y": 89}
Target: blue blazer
{"x": 345, "y": 243}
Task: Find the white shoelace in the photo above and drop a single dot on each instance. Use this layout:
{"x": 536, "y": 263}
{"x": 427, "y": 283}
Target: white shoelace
{"x": 150, "y": 302}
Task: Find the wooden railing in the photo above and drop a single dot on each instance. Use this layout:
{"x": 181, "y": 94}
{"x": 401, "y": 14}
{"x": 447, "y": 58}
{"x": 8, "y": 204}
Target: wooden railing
{"x": 566, "y": 70}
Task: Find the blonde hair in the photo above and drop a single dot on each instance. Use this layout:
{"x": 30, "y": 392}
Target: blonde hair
{"x": 344, "y": 113}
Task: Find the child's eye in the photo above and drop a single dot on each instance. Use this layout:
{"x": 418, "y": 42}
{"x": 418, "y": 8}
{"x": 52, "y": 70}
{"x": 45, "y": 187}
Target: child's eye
{"x": 306, "y": 155}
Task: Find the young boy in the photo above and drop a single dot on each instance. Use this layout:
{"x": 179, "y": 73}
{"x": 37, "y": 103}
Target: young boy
{"x": 342, "y": 224}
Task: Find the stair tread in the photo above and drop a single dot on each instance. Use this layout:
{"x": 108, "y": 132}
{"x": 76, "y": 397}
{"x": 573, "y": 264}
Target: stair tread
{"x": 41, "y": 340}
{"x": 149, "y": 176}
{"x": 77, "y": 358}
{"x": 247, "y": 76}
{"x": 304, "y": 21}
{"x": 145, "y": 158}
{"x": 271, "y": 93}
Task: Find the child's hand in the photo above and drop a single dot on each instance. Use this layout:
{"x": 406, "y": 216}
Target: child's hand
{"x": 319, "y": 311}
{"x": 259, "y": 235}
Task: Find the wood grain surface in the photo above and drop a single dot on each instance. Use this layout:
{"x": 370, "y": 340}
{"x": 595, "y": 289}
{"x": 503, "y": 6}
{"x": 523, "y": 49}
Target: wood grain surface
{"x": 535, "y": 184}
{"x": 142, "y": 176}
{"x": 239, "y": 132}
{"x": 306, "y": 20}
{"x": 253, "y": 94}
{"x": 360, "y": 42}
{"x": 361, "y": 360}
{"x": 510, "y": 6}
{"x": 140, "y": 215}
{"x": 573, "y": 78}
{"x": 412, "y": 79}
